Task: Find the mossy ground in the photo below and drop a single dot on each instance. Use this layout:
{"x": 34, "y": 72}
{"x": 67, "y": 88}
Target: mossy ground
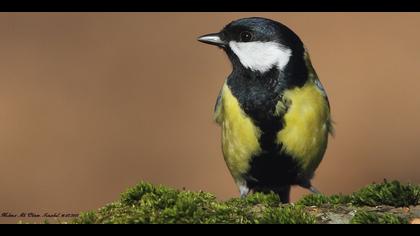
{"x": 150, "y": 204}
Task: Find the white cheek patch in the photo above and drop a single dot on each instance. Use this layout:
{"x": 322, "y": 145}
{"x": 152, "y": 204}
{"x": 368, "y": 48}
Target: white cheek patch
{"x": 261, "y": 56}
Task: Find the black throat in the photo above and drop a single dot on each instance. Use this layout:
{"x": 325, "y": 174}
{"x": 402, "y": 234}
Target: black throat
{"x": 258, "y": 93}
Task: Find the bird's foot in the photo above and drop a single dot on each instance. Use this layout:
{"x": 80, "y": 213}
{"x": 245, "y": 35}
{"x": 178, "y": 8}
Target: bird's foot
{"x": 314, "y": 190}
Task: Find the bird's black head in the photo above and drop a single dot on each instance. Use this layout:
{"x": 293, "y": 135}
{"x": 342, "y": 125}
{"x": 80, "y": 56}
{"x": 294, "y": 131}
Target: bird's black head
{"x": 257, "y": 44}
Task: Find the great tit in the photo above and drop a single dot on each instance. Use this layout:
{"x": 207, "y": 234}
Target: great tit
{"x": 273, "y": 110}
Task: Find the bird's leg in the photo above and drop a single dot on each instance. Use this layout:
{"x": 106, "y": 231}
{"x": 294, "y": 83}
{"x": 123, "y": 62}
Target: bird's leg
{"x": 283, "y": 193}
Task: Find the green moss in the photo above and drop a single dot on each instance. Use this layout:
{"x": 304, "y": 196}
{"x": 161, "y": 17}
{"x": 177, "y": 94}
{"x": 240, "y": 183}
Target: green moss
{"x": 267, "y": 200}
{"x": 319, "y": 200}
{"x": 145, "y": 204}
{"x": 387, "y": 193}
{"x": 149, "y": 204}
{"x": 365, "y": 217}
{"x": 148, "y": 192}
{"x": 287, "y": 215}
{"x": 87, "y": 217}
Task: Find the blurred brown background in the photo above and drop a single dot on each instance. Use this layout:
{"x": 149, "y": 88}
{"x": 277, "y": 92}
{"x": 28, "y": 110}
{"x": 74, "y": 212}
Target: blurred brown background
{"x": 92, "y": 103}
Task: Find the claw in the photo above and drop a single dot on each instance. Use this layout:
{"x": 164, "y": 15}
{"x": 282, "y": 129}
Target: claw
{"x": 314, "y": 190}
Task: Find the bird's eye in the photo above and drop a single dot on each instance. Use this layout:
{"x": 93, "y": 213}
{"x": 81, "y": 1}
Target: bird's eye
{"x": 246, "y": 36}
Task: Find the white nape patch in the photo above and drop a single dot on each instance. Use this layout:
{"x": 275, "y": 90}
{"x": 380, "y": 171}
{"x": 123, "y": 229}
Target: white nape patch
{"x": 243, "y": 190}
{"x": 261, "y": 56}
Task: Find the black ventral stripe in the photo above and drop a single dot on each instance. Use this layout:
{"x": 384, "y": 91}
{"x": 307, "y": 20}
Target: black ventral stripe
{"x": 208, "y": 6}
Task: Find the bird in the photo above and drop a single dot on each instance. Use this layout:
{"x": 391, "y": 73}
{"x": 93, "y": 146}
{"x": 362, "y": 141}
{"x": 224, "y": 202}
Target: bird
{"x": 273, "y": 111}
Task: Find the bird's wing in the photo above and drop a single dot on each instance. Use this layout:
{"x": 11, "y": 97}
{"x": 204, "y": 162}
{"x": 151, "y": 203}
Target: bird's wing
{"x": 314, "y": 77}
{"x": 218, "y": 108}
{"x": 321, "y": 88}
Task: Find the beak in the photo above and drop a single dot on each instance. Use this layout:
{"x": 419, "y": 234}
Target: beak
{"x": 213, "y": 39}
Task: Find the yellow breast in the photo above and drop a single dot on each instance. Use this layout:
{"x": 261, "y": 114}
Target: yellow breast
{"x": 306, "y": 125}
{"x": 239, "y": 135}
